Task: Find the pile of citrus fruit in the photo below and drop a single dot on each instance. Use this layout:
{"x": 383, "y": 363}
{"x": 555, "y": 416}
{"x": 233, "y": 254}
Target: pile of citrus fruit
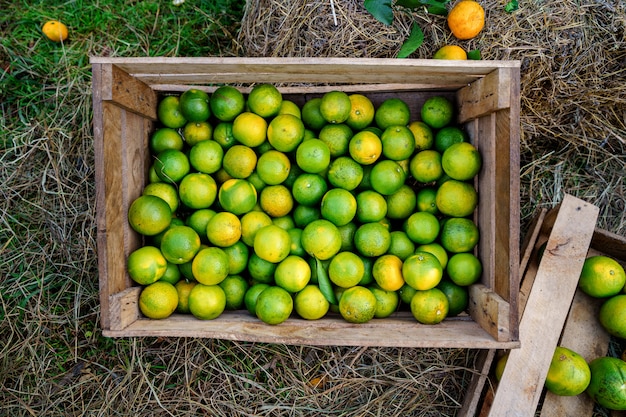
{"x": 341, "y": 205}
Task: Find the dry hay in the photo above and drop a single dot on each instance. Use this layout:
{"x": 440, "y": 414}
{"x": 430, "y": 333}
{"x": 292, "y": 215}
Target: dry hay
{"x": 573, "y": 55}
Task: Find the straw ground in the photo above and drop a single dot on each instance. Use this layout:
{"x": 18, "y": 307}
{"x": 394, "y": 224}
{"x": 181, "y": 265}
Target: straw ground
{"x": 54, "y": 360}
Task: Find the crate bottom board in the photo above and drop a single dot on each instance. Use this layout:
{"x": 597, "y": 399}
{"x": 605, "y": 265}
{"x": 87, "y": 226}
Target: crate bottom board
{"x": 399, "y": 330}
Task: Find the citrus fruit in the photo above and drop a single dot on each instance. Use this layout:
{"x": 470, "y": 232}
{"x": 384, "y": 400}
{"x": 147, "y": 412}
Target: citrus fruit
{"x": 338, "y": 206}
{"x": 311, "y": 114}
{"x": 450, "y": 52}
{"x": 357, "y": 305}
{"x": 149, "y": 215}
{"x": 569, "y": 373}
{"x": 198, "y": 221}
{"x": 402, "y": 203}
{"x": 223, "y": 229}
{"x": 437, "y": 112}
{"x": 387, "y": 177}
{"x": 456, "y": 198}
{"x": 500, "y": 365}
{"x": 285, "y": 132}
{"x": 295, "y": 233}
{"x": 461, "y": 161}
{"x": 239, "y": 161}
{"x": 466, "y": 19}
{"x": 249, "y": 129}
{"x": 265, "y": 100}
{"x": 406, "y": 294}
{"x": 183, "y": 288}
{"x": 292, "y": 273}
{"x": 365, "y": 147}
{"x": 226, "y": 103}
{"x": 398, "y": 142}
{"x": 613, "y": 315}
{"x": 276, "y": 200}
{"x": 335, "y": 107}
{"x": 284, "y": 222}
{"x": 165, "y": 138}
{"x": 273, "y": 167}
{"x": 372, "y": 239}
{"x": 387, "y": 271}
{"x": 156, "y": 239}
{"x": 165, "y": 191}
{"x": 272, "y": 243}
{"x": 321, "y": 239}
{"x": 421, "y": 227}
{"x": 168, "y": 112}
{"x": 251, "y": 222}
{"x": 55, "y": 31}
{"x": 180, "y": 244}
{"x": 206, "y": 156}
{"x": 289, "y": 107}
{"x": 310, "y": 303}
{"x": 429, "y": 306}
{"x": 423, "y": 135}
{"x": 458, "y": 297}
{"x": 171, "y": 165}
{"x": 238, "y": 254}
{"x": 448, "y": 136}
{"x": 370, "y": 206}
{"x": 464, "y": 268}
{"x": 196, "y": 132}
{"x": 607, "y": 386}
{"x": 210, "y": 265}
{"x": 234, "y": 287}
{"x": 158, "y": 300}
{"x": 386, "y": 301}
{"x": 344, "y": 172}
{"x": 261, "y": 270}
{"x": 274, "y": 305}
{"x": 459, "y": 235}
{"x": 197, "y": 190}
{"x": 309, "y": 189}
{"x": 194, "y": 105}
{"x": 252, "y": 295}
{"x": 237, "y": 196}
{"x": 337, "y": 137}
{"x": 347, "y": 232}
{"x": 427, "y": 200}
{"x": 392, "y": 112}
{"x": 172, "y": 274}
{"x": 437, "y": 250}
{"x": 426, "y": 166}
{"x": 346, "y": 269}
{"x": 303, "y": 215}
{"x": 207, "y": 302}
{"x": 223, "y": 134}
{"x": 146, "y": 265}
{"x": 313, "y": 156}
{"x": 602, "y": 277}
{"x": 361, "y": 112}
{"x": 401, "y": 245}
{"x": 422, "y": 271}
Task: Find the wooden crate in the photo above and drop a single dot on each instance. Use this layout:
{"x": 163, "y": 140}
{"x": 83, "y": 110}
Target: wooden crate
{"x": 125, "y": 96}
{"x": 577, "y": 328}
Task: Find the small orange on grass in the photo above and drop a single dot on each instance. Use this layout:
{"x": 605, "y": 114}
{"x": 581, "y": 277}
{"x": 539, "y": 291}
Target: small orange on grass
{"x": 274, "y": 305}
{"x": 158, "y": 300}
{"x": 210, "y": 266}
{"x": 357, "y": 305}
{"x": 55, "y": 31}
{"x": 466, "y": 19}
{"x": 429, "y": 306}
{"x": 207, "y": 302}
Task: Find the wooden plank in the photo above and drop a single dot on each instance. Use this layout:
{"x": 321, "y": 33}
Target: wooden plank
{"x": 124, "y": 308}
{"x": 399, "y": 330}
{"x": 128, "y": 92}
{"x": 489, "y": 310}
{"x": 486, "y": 95}
{"x": 474, "y": 390}
{"x": 555, "y": 284}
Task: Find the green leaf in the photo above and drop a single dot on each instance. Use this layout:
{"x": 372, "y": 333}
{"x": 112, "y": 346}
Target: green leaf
{"x": 436, "y": 7}
{"x": 414, "y": 41}
{"x": 474, "y": 54}
{"x": 380, "y": 9}
{"x": 324, "y": 283}
{"x": 511, "y": 6}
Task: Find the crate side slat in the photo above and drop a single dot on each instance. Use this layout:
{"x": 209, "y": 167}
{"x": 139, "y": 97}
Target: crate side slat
{"x": 402, "y": 331}
{"x": 485, "y": 95}
{"x": 490, "y": 311}
{"x": 129, "y": 92}
{"x": 471, "y": 401}
{"x": 523, "y": 378}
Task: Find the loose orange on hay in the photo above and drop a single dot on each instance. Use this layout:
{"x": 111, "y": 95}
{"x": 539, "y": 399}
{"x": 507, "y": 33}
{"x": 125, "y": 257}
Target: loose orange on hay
{"x": 466, "y": 19}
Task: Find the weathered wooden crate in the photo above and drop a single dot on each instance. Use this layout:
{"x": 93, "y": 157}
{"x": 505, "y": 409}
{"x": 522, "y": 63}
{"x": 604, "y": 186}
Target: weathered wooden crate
{"x": 125, "y": 95}
{"x": 575, "y": 326}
